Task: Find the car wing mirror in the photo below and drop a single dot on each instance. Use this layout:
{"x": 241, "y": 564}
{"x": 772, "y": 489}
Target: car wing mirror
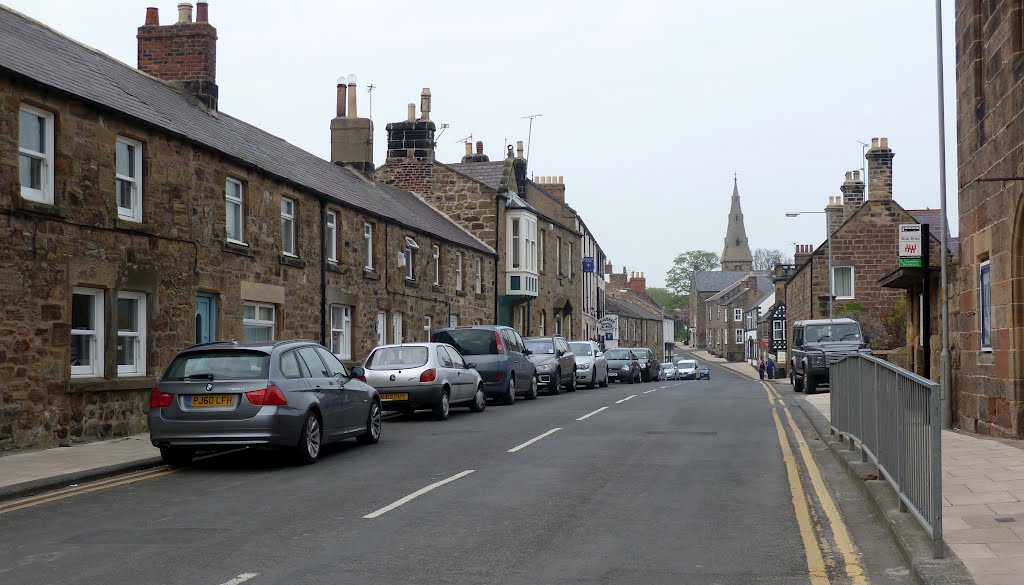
{"x": 599, "y": 354}
{"x": 469, "y": 366}
{"x": 358, "y": 372}
{"x": 527, "y": 352}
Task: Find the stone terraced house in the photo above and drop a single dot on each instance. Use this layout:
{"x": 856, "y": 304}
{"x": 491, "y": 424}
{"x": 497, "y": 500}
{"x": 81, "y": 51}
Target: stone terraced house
{"x": 137, "y": 219}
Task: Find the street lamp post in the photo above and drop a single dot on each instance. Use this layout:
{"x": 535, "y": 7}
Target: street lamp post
{"x": 828, "y": 234}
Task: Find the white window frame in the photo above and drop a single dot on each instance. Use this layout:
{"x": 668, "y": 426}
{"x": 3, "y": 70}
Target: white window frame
{"x": 453, "y": 320}
{"x": 428, "y": 325}
{"x": 853, "y": 292}
{"x": 739, "y": 336}
{"x": 737, "y": 314}
{"x": 410, "y": 258}
{"x": 540, "y": 250}
{"x": 45, "y": 194}
{"x": 542, "y": 324}
{"x": 331, "y": 234}
{"x": 530, "y": 244}
{"x": 985, "y": 306}
{"x": 436, "y": 255}
{"x": 368, "y": 246}
{"x": 571, "y": 270}
{"x": 382, "y": 328}
{"x": 95, "y": 369}
{"x": 229, "y": 200}
{"x": 479, "y": 277}
{"x": 256, "y": 321}
{"x": 396, "y": 328}
{"x": 288, "y": 241}
{"x": 139, "y": 368}
{"x": 558, "y": 255}
{"x": 458, "y": 271}
{"x": 778, "y": 330}
{"x": 342, "y": 327}
{"x": 134, "y": 213}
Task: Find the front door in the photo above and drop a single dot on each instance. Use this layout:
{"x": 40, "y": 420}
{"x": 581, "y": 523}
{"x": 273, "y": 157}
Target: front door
{"x": 206, "y": 318}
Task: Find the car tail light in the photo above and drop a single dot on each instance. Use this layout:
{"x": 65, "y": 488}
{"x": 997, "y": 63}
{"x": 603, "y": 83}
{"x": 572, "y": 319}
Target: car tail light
{"x": 269, "y": 396}
{"x": 500, "y": 376}
{"x": 428, "y": 375}
{"x": 158, "y": 399}
{"x": 500, "y": 347}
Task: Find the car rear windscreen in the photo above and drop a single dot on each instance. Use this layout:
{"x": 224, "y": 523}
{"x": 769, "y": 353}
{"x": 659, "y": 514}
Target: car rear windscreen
{"x": 687, "y": 364}
{"x": 228, "y": 364}
{"x": 398, "y": 358}
{"x": 581, "y": 349}
{"x": 540, "y": 346}
{"x": 469, "y": 341}
{"x": 617, "y": 354}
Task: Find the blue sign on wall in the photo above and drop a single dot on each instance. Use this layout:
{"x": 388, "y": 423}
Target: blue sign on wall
{"x": 608, "y": 336}
{"x": 588, "y": 264}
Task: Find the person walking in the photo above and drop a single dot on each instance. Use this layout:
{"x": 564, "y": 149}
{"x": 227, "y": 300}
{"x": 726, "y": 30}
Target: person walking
{"x": 760, "y": 367}
{"x": 770, "y": 368}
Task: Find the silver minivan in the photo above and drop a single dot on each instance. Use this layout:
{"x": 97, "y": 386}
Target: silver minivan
{"x": 411, "y": 376}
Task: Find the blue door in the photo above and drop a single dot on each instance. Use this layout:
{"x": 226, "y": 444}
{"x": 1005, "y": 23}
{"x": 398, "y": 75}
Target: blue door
{"x": 206, "y": 318}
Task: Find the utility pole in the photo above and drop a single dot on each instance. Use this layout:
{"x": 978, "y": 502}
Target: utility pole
{"x": 945, "y": 375}
{"x": 529, "y": 134}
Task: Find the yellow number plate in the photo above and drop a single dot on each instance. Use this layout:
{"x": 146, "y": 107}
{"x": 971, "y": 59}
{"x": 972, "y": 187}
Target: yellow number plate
{"x": 395, "y": 396}
{"x": 212, "y": 400}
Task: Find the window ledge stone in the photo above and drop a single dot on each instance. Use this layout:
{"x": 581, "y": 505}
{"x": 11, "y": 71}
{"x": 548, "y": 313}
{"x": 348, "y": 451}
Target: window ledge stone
{"x": 412, "y": 283}
{"x": 371, "y": 274}
{"x": 240, "y": 249}
{"x": 292, "y": 261}
{"x": 135, "y": 226}
{"x": 460, "y": 293}
{"x": 30, "y": 206}
{"x": 78, "y": 385}
{"x": 334, "y": 267}
{"x": 437, "y": 288}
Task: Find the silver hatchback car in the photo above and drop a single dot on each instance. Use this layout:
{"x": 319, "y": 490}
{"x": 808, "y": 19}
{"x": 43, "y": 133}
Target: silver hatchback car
{"x": 290, "y": 394}
{"x": 424, "y": 375}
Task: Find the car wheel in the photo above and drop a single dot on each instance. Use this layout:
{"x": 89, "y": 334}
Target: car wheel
{"x": 810, "y": 385}
{"x": 532, "y": 393}
{"x": 443, "y": 406}
{"x": 510, "y": 396}
{"x": 177, "y": 456}
{"x": 604, "y": 382}
{"x": 310, "y": 439}
{"x": 571, "y": 386}
{"x": 798, "y": 383}
{"x": 479, "y": 401}
{"x": 373, "y": 426}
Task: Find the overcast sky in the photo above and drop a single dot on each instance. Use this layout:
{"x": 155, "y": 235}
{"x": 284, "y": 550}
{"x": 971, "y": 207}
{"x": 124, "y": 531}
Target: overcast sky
{"x": 648, "y": 106}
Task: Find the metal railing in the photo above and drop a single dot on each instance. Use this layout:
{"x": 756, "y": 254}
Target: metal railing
{"x": 895, "y": 416}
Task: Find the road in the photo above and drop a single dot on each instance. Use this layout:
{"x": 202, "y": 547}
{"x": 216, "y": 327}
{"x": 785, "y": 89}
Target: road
{"x": 656, "y": 483}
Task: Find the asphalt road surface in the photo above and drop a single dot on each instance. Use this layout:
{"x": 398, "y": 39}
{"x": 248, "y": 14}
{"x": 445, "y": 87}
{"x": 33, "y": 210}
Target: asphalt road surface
{"x": 710, "y": 482}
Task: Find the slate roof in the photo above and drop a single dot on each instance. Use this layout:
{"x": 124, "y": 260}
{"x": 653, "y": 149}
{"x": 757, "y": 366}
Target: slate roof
{"x": 717, "y": 281}
{"x": 32, "y": 50}
{"x": 933, "y": 217}
{"x": 488, "y": 173}
{"x": 624, "y": 308}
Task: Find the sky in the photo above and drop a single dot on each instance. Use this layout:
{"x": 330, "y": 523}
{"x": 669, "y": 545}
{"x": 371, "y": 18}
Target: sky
{"x": 648, "y": 107}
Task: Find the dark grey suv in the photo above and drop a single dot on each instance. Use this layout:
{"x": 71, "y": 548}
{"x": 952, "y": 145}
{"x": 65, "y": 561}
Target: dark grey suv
{"x": 290, "y": 394}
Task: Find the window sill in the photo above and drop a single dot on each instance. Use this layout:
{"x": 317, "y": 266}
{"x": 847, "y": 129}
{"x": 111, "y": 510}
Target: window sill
{"x": 134, "y": 226}
{"x": 33, "y": 206}
{"x": 460, "y": 293}
{"x": 333, "y": 267}
{"x": 292, "y": 261}
{"x": 237, "y": 248}
{"x": 437, "y": 288}
{"x": 371, "y": 274}
{"x": 77, "y": 385}
{"x": 411, "y": 283}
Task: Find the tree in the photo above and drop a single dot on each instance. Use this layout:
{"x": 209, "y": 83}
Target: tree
{"x": 765, "y": 259}
{"x": 680, "y": 276}
{"x": 668, "y": 300}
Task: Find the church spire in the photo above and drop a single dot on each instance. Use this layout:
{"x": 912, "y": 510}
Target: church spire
{"x": 736, "y": 254}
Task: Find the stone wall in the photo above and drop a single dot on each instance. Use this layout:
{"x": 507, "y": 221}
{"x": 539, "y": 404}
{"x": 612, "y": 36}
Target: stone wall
{"x": 178, "y": 249}
{"x": 988, "y": 388}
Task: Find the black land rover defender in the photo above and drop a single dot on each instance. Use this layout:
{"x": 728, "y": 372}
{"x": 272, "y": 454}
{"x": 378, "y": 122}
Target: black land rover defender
{"x": 817, "y": 344}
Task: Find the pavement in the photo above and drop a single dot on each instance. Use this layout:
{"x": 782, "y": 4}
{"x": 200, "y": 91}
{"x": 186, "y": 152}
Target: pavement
{"x": 709, "y": 482}
{"x": 983, "y": 512}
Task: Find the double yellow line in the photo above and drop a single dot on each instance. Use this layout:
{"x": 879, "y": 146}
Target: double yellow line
{"x": 802, "y": 507}
{"x": 71, "y": 492}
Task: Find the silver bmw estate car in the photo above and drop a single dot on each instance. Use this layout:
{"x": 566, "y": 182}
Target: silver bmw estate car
{"x": 290, "y": 394}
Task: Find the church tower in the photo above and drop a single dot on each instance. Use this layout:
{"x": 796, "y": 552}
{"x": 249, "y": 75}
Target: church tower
{"x": 736, "y": 255}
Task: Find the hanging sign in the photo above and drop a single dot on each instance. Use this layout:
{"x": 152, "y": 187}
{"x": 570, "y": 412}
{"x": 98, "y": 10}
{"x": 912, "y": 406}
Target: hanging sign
{"x": 909, "y": 242}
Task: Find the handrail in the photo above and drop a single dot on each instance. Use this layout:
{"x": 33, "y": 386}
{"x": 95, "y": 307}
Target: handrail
{"x": 895, "y": 416}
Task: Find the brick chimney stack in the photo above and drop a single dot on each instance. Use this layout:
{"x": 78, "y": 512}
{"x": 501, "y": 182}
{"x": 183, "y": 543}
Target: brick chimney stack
{"x": 553, "y": 185}
{"x": 834, "y": 213}
{"x": 853, "y": 193}
{"x": 880, "y": 169}
{"x": 479, "y": 156}
{"x": 802, "y": 254}
{"x": 351, "y": 136}
{"x": 183, "y": 53}
{"x": 637, "y": 283}
{"x": 413, "y": 139}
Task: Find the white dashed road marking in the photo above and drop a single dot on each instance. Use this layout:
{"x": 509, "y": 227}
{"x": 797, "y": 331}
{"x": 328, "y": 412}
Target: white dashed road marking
{"x": 241, "y": 579}
{"x": 534, "y": 440}
{"x": 415, "y": 495}
{"x": 625, "y": 399}
{"x": 586, "y": 416}
{"x": 651, "y": 390}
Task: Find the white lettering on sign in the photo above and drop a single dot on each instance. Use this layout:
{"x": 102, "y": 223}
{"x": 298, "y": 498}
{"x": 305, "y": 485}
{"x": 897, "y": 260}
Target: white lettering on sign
{"x": 909, "y": 245}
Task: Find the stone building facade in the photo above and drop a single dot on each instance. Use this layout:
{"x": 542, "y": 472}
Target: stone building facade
{"x": 636, "y": 325}
{"x": 706, "y": 284}
{"x": 726, "y": 332}
{"x": 142, "y": 221}
{"x": 988, "y": 330}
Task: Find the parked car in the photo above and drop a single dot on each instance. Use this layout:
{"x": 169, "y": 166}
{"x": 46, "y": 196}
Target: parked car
{"x": 555, "y": 362}
{"x": 591, "y": 365}
{"x": 687, "y": 369}
{"x": 290, "y": 394}
{"x": 668, "y": 371}
{"x": 703, "y": 373}
{"x": 650, "y": 369}
{"x": 623, "y": 365}
{"x": 500, "y": 356}
{"x": 410, "y": 376}
{"x": 819, "y": 343}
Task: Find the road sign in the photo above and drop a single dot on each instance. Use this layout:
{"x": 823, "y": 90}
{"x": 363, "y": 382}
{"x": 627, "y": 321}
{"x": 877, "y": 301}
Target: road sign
{"x": 588, "y": 264}
{"x": 909, "y": 244}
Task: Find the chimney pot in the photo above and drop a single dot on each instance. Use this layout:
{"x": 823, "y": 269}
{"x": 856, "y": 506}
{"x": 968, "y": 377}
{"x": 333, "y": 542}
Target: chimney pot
{"x": 469, "y": 148}
{"x": 519, "y": 148}
{"x": 874, "y": 143}
{"x": 856, "y": 175}
{"x": 479, "y": 146}
{"x": 425, "y": 103}
{"x": 849, "y": 176}
{"x": 884, "y": 143}
{"x": 342, "y": 90}
{"x": 352, "y": 97}
{"x": 152, "y": 16}
{"x": 560, "y": 179}
{"x": 184, "y": 13}
{"x": 202, "y": 12}
{"x": 411, "y": 112}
